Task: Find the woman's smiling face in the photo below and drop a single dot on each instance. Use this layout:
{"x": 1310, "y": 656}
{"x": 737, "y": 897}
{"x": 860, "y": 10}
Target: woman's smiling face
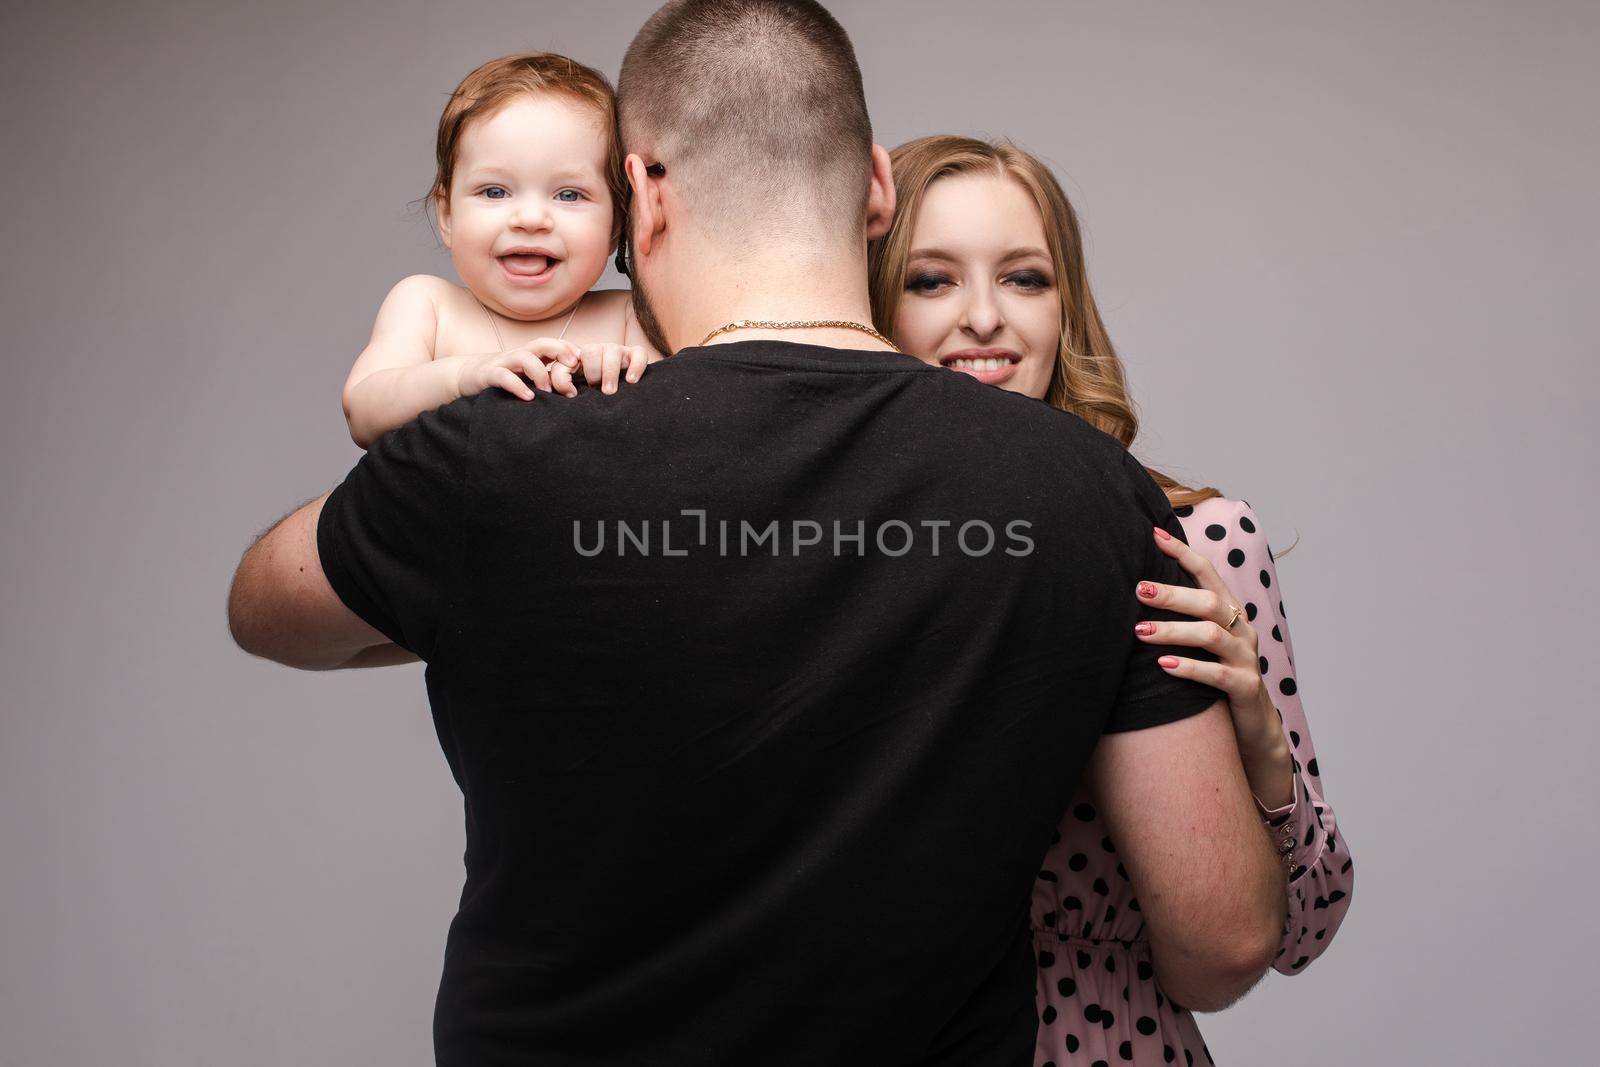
{"x": 980, "y": 289}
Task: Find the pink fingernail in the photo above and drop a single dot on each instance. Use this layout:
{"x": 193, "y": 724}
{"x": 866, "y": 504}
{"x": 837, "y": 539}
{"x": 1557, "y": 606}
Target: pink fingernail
{"x": 1168, "y": 661}
{"x": 1145, "y": 629}
{"x": 1147, "y": 590}
{"x": 1163, "y": 534}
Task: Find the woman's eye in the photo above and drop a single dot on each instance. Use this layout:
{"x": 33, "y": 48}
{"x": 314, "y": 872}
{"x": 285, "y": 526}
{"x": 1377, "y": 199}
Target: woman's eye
{"x": 495, "y": 192}
{"x": 1029, "y": 279}
{"x": 926, "y": 283}
{"x": 569, "y": 196}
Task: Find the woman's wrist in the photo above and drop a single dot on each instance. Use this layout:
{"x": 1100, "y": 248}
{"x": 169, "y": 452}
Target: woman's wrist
{"x": 1269, "y": 765}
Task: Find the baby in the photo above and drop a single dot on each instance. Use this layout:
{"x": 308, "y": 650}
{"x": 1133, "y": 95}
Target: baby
{"x": 529, "y": 201}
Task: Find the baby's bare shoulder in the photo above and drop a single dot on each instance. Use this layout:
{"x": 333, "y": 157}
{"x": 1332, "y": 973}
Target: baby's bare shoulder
{"x": 610, "y": 297}
{"x": 463, "y": 324}
{"x": 603, "y": 317}
{"x": 610, "y": 302}
{"x": 445, "y": 295}
{"x": 421, "y": 287}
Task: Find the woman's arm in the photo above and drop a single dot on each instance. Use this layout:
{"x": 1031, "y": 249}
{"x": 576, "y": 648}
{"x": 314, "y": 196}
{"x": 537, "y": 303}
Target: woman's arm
{"x": 1322, "y": 873}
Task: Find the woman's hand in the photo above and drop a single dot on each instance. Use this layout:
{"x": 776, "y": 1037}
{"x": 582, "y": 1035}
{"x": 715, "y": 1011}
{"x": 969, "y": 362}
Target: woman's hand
{"x": 502, "y": 369}
{"x": 1224, "y": 631}
{"x": 600, "y": 364}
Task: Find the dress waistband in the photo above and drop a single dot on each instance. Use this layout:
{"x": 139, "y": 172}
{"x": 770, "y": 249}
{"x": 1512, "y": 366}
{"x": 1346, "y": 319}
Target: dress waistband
{"x": 1100, "y": 943}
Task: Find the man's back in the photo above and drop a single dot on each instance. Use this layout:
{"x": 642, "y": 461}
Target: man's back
{"x": 765, "y": 682}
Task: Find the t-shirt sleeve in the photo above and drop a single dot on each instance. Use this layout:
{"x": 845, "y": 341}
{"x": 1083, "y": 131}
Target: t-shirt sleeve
{"x": 1148, "y": 695}
{"x": 389, "y": 534}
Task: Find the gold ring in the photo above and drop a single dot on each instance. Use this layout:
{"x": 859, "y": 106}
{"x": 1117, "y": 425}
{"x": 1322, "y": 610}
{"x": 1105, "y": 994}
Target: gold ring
{"x": 1237, "y": 611}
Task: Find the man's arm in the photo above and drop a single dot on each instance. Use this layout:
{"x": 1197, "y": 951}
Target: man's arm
{"x": 1210, "y": 888}
{"x": 282, "y": 608}
{"x": 386, "y": 655}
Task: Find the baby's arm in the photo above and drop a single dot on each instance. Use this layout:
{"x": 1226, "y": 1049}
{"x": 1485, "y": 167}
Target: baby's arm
{"x": 400, "y": 374}
{"x": 396, "y": 378}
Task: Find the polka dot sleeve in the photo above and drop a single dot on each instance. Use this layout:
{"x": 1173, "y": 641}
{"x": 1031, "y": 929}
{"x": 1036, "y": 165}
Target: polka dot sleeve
{"x": 1228, "y": 534}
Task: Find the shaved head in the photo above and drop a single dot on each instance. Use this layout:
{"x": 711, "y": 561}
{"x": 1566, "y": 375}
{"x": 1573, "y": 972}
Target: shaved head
{"x": 757, "y": 110}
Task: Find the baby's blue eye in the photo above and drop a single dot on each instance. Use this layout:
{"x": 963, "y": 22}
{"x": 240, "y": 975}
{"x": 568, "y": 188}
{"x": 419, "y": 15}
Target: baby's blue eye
{"x": 495, "y": 192}
{"x": 569, "y": 196}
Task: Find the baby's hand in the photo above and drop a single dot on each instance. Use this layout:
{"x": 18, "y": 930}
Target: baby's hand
{"x": 501, "y": 369}
{"x": 599, "y": 365}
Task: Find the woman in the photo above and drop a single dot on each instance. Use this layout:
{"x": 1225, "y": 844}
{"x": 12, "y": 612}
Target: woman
{"x": 983, "y": 272}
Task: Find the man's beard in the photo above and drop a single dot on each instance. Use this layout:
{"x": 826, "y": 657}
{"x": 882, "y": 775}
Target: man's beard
{"x": 647, "y": 317}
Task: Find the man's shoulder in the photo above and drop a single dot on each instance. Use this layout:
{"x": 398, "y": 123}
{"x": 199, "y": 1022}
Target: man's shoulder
{"x": 1037, "y": 435}
{"x": 1027, "y": 425}
{"x": 507, "y": 426}
{"x": 1001, "y": 403}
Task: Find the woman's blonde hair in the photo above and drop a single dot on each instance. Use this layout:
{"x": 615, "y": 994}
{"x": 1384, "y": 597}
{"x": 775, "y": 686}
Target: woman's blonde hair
{"x": 1088, "y": 379}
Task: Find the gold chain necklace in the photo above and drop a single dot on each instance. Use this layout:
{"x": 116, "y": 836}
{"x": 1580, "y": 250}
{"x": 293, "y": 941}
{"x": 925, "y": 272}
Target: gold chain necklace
{"x": 813, "y": 324}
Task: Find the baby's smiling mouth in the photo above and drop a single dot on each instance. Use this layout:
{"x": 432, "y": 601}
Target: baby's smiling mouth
{"x": 527, "y": 263}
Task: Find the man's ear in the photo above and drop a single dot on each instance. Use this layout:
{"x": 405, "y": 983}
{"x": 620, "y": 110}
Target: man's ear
{"x": 647, "y": 219}
{"x": 880, "y": 195}
{"x": 441, "y": 211}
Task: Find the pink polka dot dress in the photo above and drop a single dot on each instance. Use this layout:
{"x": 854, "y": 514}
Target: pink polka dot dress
{"x": 1098, "y": 998}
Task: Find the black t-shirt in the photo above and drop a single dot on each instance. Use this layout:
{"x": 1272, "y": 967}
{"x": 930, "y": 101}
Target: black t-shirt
{"x": 765, "y": 681}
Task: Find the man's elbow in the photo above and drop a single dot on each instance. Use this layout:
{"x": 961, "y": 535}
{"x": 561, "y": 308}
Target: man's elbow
{"x": 249, "y": 627}
{"x": 252, "y": 641}
{"x": 1217, "y": 978}
{"x": 244, "y": 620}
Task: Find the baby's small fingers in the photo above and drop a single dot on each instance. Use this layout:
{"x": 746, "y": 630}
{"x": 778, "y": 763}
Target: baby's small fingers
{"x": 507, "y": 379}
{"x": 634, "y": 357}
{"x": 611, "y": 368}
{"x": 561, "y": 380}
{"x": 536, "y": 370}
{"x": 563, "y": 351}
{"x": 589, "y": 359}
{"x": 594, "y": 364}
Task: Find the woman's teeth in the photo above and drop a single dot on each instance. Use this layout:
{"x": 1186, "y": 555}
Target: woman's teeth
{"x": 992, "y": 363}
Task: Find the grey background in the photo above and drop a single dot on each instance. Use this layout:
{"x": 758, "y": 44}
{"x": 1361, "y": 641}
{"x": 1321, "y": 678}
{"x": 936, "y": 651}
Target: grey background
{"x": 1346, "y": 250}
